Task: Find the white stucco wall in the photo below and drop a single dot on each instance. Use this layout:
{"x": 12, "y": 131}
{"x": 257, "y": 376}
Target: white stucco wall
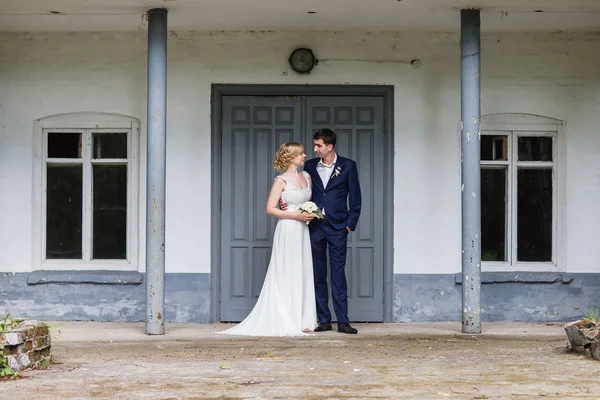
{"x": 547, "y": 74}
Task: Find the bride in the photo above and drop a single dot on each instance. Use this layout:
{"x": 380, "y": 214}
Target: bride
{"x": 286, "y": 305}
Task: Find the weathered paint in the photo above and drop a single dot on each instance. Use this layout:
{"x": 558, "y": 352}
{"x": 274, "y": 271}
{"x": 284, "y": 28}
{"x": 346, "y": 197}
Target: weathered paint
{"x": 416, "y": 298}
{"x": 470, "y": 170}
{"x": 187, "y": 299}
{"x": 156, "y": 171}
{"x": 504, "y": 297}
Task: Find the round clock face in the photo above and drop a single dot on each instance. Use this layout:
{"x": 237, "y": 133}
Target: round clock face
{"x": 302, "y": 60}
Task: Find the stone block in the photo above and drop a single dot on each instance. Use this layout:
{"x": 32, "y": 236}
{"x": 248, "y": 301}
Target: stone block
{"x": 581, "y": 334}
{"x": 41, "y": 342}
{"x": 41, "y": 330}
{"x": 19, "y": 349}
{"x": 595, "y": 349}
{"x": 41, "y": 355}
{"x": 27, "y": 345}
{"x": 13, "y": 363}
{"x": 13, "y": 338}
{"x": 24, "y": 360}
{"x": 28, "y": 333}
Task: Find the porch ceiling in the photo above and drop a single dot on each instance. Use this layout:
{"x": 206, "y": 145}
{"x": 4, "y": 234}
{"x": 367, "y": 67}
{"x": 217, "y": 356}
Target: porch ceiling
{"x": 124, "y": 15}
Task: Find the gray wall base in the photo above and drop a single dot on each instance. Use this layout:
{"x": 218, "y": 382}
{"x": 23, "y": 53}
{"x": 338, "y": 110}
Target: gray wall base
{"x": 417, "y": 298}
{"x": 513, "y": 296}
{"x": 187, "y": 299}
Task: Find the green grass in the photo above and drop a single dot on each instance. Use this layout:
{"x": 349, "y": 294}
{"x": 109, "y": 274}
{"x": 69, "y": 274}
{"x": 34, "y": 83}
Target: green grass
{"x": 592, "y": 314}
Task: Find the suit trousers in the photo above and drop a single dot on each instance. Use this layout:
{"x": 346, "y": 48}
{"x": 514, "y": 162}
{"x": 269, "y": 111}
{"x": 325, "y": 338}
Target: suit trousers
{"x": 324, "y": 236}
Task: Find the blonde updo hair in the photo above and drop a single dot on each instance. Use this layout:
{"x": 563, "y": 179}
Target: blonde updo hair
{"x": 287, "y": 152}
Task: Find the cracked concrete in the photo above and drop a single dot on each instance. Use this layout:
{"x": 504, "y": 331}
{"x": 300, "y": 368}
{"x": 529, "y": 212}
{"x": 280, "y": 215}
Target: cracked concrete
{"x": 427, "y": 360}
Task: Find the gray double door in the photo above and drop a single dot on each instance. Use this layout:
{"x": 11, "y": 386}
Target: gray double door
{"x": 253, "y": 128}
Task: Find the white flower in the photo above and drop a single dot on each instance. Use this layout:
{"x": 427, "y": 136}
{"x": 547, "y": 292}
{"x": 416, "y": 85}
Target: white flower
{"x": 336, "y": 172}
{"x": 308, "y": 207}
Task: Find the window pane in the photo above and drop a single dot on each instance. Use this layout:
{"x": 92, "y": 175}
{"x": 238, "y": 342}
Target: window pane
{"x": 535, "y": 148}
{"x": 64, "y": 145}
{"x": 64, "y": 212}
{"x": 534, "y": 215}
{"x": 110, "y": 212}
{"x": 494, "y": 148}
{"x": 493, "y": 214}
{"x": 110, "y": 145}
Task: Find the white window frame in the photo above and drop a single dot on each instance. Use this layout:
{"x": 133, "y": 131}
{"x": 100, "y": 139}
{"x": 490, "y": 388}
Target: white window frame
{"x": 524, "y": 125}
{"x": 87, "y": 124}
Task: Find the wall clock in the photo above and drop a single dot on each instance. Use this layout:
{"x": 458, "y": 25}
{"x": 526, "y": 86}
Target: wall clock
{"x": 302, "y": 60}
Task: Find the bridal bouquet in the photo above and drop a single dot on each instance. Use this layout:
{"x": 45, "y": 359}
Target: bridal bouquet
{"x": 310, "y": 208}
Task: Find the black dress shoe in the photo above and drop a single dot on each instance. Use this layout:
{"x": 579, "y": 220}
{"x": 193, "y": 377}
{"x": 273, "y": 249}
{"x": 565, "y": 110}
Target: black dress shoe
{"x": 323, "y": 326}
{"x": 346, "y": 328}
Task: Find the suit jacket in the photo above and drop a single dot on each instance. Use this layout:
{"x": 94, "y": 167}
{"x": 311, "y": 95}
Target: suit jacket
{"x": 343, "y": 189}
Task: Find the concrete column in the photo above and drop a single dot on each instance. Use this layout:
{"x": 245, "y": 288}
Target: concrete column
{"x": 471, "y": 170}
{"x": 156, "y": 171}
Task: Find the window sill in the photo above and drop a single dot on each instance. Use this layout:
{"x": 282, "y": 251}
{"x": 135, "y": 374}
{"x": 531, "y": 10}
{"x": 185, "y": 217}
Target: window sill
{"x": 116, "y": 266}
{"x": 520, "y": 277}
{"x": 519, "y": 267}
{"x": 92, "y": 277}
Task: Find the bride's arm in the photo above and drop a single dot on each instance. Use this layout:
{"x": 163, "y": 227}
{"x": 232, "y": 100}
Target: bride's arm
{"x": 276, "y": 190}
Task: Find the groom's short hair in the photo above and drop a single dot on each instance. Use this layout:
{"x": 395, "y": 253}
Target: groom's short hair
{"x": 327, "y": 135}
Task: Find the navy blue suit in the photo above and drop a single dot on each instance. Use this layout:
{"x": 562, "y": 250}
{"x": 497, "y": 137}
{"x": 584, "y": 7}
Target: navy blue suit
{"x": 343, "y": 189}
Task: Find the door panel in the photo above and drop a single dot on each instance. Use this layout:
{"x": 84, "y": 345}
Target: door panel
{"x": 358, "y": 123}
{"x": 253, "y": 128}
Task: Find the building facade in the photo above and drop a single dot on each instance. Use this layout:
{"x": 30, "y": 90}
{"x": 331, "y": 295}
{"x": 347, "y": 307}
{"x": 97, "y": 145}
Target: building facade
{"x": 74, "y": 154}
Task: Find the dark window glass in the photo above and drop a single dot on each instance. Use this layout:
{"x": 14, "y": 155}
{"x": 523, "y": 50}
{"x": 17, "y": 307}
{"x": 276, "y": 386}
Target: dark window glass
{"x": 64, "y": 212}
{"x": 493, "y": 214}
{"x": 110, "y": 212}
{"x": 64, "y": 145}
{"x": 494, "y": 148}
{"x": 110, "y": 145}
{"x": 535, "y": 148}
{"x": 534, "y": 215}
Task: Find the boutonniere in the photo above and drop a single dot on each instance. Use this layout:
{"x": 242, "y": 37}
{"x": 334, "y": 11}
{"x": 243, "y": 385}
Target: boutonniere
{"x": 336, "y": 172}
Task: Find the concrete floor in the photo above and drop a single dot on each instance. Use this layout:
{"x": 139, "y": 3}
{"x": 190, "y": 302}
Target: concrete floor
{"x": 425, "y": 360}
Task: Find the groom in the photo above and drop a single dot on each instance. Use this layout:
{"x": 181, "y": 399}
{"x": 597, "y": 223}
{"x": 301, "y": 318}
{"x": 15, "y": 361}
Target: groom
{"x": 335, "y": 184}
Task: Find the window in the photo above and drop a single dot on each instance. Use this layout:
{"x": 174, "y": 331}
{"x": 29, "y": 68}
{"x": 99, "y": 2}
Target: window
{"x": 86, "y": 215}
{"x": 519, "y": 199}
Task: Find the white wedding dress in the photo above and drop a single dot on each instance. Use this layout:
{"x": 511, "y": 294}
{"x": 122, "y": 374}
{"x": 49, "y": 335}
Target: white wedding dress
{"x": 286, "y": 305}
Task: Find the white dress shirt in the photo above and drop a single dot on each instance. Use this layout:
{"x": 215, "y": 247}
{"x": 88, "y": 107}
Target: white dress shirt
{"x": 325, "y": 170}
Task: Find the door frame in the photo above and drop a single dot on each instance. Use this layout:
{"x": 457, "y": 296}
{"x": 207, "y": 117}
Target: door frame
{"x": 216, "y": 101}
